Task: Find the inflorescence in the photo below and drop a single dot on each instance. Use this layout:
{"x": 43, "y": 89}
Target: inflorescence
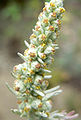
{"x": 31, "y": 82}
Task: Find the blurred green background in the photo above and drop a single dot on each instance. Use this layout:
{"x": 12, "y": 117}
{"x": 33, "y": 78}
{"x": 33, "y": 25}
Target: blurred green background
{"x": 17, "y": 18}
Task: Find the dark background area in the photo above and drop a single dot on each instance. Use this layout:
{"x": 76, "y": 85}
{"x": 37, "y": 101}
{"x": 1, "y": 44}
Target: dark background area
{"x": 17, "y": 19}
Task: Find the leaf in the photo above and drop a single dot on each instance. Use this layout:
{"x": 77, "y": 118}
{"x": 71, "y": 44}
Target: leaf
{"x": 39, "y": 93}
{"x": 47, "y": 96}
{"x": 26, "y": 43}
{"x": 11, "y": 89}
{"x": 21, "y": 56}
{"x": 51, "y": 90}
{"x": 16, "y": 111}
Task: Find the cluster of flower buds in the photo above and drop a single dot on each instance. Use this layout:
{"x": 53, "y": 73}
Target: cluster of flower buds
{"x": 31, "y": 83}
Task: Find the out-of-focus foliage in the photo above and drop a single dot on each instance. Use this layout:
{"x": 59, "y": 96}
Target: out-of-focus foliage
{"x": 47, "y": 0}
{"x": 4, "y": 3}
{"x": 13, "y": 11}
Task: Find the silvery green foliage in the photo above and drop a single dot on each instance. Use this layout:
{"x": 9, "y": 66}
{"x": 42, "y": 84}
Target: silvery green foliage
{"x": 31, "y": 83}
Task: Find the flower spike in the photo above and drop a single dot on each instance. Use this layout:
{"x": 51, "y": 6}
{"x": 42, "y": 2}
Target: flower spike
{"x": 31, "y": 83}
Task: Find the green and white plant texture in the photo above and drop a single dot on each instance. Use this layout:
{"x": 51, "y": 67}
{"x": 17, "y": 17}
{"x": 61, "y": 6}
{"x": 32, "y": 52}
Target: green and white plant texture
{"x": 31, "y": 83}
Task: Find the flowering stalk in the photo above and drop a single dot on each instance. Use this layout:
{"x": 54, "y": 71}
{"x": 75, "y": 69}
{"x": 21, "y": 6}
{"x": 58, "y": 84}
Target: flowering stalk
{"x": 31, "y": 83}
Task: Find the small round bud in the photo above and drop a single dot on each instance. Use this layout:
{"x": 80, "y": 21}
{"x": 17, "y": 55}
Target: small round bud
{"x": 17, "y": 88}
{"x": 44, "y": 9}
{"x": 15, "y": 68}
{"x": 38, "y": 66}
{"x": 32, "y": 72}
{"x": 43, "y": 44}
{"x": 39, "y": 97}
{"x": 25, "y": 81}
{"x": 40, "y": 105}
{"x": 27, "y": 92}
{"x": 53, "y": 50}
{"x": 25, "y": 101}
{"x": 41, "y": 14}
{"x": 52, "y": 4}
{"x": 25, "y": 52}
{"x": 32, "y": 54}
{"x": 33, "y": 46}
{"x": 24, "y": 69}
{"x": 26, "y": 109}
{"x": 32, "y": 36}
{"x": 45, "y": 21}
{"x": 19, "y": 102}
{"x": 62, "y": 10}
{"x": 37, "y": 87}
{"x": 53, "y": 14}
{"x": 43, "y": 56}
{"x": 43, "y": 37}
{"x": 51, "y": 28}
{"x": 37, "y": 28}
{"x": 48, "y": 114}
